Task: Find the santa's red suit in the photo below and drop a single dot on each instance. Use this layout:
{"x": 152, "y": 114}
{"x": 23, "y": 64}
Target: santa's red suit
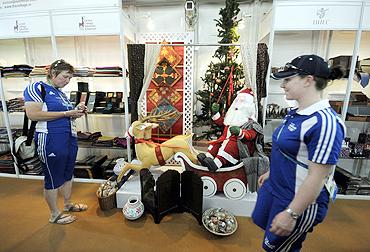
{"x": 225, "y": 149}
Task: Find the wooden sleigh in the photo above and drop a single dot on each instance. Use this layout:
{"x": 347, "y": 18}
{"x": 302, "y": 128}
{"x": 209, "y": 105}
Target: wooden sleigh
{"x": 232, "y": 181}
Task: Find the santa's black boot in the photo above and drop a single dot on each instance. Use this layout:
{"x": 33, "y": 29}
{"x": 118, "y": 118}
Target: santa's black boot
{"x": 201, "y": 157}
{"x": 210, "y": 164}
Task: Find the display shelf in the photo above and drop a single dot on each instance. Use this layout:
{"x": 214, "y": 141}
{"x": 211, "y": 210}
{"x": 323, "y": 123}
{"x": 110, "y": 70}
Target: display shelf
{"x": 82, "y": 144}
{"x": 15, "y": 77}
{"x": 353, "y": 197}
{"x": 106, "y": 115}
{"x": 321, "y": 28}
{"x": 53, "y": 34}
{"x": 354, "y": 158}
{"x": 274, "y": 119}
{"x": 242, "y": 207}
{"x": 316, "y": 24}
{"x": 14, "y": 90}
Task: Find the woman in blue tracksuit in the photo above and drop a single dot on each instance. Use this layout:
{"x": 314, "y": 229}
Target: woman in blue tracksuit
{"x": 295, "y": 193}
{"x": 55, "y": 137}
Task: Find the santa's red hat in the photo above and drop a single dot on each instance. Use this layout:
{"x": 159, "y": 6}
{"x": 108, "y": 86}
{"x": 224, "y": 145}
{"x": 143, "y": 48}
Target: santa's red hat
{"x": 246, "y": 91}
{"x": 247, "y": 94}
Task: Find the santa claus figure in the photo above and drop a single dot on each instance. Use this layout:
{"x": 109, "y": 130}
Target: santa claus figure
{"x": 224, "y": 151}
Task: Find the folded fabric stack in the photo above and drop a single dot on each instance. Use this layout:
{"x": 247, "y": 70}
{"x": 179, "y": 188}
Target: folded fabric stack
{"x": 88, "y": 136}
{"x": 84, "y": 72}
{"x": 3, "y": 134}
{"x": 104, "y": 141}
{"x": 96, "y": 139}
{"x": 15, "y": 104}
{"x": 16, "y": 71}
{"x": 32, "y": 167}
{"x": 39, "y": 71}
{"x": 6, "y": 162}
{"x": 120, "y": 142}
{"x": 112, "y": 71}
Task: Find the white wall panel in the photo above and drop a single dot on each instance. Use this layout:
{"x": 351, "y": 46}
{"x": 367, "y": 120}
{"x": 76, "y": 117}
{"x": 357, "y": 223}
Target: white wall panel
{"x": 288, "y": 45}
{"x": 12, "y": 51}
{"x": 160, "y": 19}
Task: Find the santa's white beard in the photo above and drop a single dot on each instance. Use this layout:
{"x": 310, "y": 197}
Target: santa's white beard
{"x": 239, "y": 115}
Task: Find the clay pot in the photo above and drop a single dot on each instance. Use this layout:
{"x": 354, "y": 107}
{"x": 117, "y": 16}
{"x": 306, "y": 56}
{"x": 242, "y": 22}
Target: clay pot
{"x": 133, "y": 209}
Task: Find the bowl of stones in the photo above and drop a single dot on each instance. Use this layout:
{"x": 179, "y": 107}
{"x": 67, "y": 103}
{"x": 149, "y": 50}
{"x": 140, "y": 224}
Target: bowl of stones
{"x": 218, "y": 221}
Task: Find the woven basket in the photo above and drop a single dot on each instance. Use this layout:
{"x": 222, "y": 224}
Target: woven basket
{"x": 107, "y": 203}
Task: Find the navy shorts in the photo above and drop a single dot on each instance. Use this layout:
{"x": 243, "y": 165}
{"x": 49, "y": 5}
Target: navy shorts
{"x": 57, "y": 152}
{"x": 268, "y": 206}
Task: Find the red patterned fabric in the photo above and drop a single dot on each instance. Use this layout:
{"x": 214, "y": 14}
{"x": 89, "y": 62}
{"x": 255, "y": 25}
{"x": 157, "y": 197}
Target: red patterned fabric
{"x": 167, "y": 84}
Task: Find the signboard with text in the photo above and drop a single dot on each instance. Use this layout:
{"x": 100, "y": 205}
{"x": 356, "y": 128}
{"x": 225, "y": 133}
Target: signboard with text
{"x": 21, "y": 6}
{"x": 86, "y": 24}
{"x": 322, "y": 16}
{"x": 22, "y": 27}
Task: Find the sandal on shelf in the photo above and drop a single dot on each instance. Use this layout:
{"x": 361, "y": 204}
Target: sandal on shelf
{"x": 75, "y": 207}
{"x": 63, "y": 219}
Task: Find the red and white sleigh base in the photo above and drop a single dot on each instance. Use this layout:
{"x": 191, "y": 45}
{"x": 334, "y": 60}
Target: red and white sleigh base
{"x": 232, "y": 180}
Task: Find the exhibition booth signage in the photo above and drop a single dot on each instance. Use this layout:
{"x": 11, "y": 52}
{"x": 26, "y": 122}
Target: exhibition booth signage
{"x": 323, "y": 15}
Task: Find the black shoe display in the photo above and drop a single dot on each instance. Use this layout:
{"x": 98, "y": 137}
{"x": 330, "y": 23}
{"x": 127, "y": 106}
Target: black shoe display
{"x": 210, "y": 164}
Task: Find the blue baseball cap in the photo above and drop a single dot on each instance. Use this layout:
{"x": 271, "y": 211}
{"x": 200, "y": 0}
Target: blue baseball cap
{"x": 304, "y": 65}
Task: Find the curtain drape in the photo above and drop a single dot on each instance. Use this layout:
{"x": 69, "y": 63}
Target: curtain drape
{"x": 135, "y": 56}
{"x": 151, "y": 55}
{"x": 261, "y": 72}
{"x": 248, "y": 53}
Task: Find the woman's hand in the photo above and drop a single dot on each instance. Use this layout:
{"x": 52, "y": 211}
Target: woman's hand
{"x": 262, "y": 178}
{"x": 75, "y": 113}
{"x": 283, "y": 224}
{"x": 82, "y": 106}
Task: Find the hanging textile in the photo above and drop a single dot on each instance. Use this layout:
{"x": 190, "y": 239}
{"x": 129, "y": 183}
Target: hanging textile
{"x": 261, "y": 72}
{"x": 166, "y": 90}
{"x": 262, "y": 66}
{"x": 135, "y": 55}
{"x": 248, "y": 54}
{"x": 150, "y": 61}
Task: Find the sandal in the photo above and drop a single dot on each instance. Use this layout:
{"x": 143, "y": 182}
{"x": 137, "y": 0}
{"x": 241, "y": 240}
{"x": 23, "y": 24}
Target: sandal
{"x": 75, "y": 207}
{"x": 63, "y": 219}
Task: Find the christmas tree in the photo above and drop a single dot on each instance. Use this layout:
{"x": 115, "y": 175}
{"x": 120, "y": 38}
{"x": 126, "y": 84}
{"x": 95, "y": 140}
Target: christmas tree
{"x": 223, "y": 78}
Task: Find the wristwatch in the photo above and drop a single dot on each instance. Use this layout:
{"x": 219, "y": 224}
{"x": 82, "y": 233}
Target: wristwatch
{"x": 293, "y": 214}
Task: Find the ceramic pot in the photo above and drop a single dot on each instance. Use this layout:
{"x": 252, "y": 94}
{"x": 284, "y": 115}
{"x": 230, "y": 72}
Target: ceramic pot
{"x": 120, "y": 163}
{"x": 133, "y": 209}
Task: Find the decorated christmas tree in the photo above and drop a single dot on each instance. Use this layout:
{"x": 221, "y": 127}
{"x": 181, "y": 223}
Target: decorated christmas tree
{"x": 224, "y": 77}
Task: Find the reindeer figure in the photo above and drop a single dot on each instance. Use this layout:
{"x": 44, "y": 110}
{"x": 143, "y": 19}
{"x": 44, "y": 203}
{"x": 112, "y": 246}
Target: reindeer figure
{"x": 150, "y": 153}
